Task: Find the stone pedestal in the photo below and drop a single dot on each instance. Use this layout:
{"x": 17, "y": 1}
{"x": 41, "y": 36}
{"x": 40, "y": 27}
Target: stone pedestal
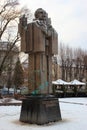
{"x": 40, "y": 109}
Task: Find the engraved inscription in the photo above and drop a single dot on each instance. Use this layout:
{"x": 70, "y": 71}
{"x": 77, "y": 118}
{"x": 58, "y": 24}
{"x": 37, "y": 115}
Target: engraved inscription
{"x": 50, "y": 103}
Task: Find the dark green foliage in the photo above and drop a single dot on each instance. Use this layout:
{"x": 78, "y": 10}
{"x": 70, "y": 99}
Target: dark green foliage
{"x": 18, "y": 74}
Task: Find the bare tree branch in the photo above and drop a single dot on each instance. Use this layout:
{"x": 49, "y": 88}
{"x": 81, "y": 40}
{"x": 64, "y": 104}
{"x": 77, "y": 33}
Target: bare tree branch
{"x": 7, "y": 53}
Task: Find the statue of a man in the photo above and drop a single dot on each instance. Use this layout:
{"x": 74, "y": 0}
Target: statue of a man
{"x": 40, "y": 41}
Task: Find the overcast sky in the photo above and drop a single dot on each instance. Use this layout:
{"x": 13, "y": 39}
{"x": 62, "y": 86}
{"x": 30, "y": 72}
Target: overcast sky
{"x": 69, "y": 18}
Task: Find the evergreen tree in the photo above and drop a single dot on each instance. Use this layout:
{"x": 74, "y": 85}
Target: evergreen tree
{"x": 18, "y": 77}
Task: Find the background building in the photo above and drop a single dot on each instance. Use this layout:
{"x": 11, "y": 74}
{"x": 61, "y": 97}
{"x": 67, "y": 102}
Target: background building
{"x": 9, "y": 64}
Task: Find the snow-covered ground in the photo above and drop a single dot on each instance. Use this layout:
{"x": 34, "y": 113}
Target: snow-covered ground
{"x": 73, "y": 112}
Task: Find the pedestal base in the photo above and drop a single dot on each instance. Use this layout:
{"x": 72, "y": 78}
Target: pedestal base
{"x": 40, "y": 109}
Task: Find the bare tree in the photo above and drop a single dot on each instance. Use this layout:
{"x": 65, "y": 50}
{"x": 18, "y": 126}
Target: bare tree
{"x": 9, "y": 14}
{"x": 62, "y": 59}
{"x": 85, "y": 65}
{"x": 8, "y": 18}
{"x": 73, "y": 63}
{"x": 66, "y": 56}
{"x": 79, "y": 63}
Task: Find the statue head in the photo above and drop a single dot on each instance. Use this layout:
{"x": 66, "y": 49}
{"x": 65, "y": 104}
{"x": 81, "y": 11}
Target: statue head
{"x": 41, "y": 14}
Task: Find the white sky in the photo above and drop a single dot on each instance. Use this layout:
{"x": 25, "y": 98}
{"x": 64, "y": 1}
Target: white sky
{"x": 69, "y": 18}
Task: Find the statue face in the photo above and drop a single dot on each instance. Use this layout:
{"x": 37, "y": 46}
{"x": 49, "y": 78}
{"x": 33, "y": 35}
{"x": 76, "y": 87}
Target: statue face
{"x": 41, "y": 14}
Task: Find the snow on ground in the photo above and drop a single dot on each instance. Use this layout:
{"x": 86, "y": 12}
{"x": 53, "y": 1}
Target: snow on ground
{"x": 73, "y": 112}
{"x": 9, "y": 100}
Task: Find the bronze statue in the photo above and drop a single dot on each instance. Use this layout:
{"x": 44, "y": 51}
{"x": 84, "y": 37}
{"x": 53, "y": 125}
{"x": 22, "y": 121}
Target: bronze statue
{"x": 39, "y": 40}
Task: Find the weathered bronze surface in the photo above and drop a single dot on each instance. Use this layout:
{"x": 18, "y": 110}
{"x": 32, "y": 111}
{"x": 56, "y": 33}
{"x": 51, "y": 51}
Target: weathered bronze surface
{"x": 40, "y": 40}
{"x": 40, "y": 110}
